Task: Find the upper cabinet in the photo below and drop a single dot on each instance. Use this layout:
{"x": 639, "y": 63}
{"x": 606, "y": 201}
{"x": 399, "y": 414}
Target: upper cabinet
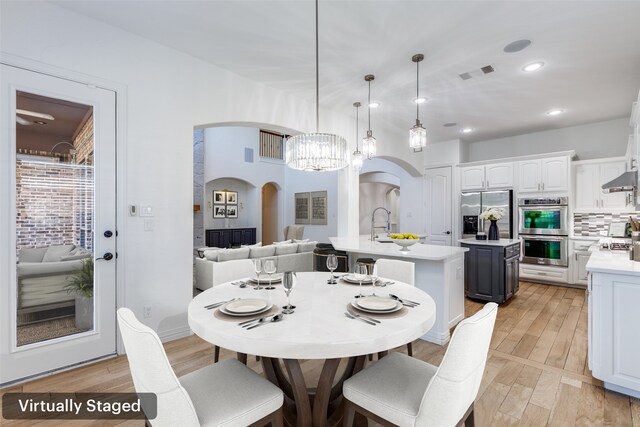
{"x": 544, "y": 175}
{"x": 589, "y": 178}
{"x": 486, "y": 177}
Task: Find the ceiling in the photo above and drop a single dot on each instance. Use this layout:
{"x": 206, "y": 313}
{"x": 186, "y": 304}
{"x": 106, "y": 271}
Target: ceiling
{"x": 44, "y": 134}
{"x": 591, "y": 51}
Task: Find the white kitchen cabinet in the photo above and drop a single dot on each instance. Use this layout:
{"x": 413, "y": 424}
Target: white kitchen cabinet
{"x": 579, "y": 256}
{"x": 589, "y": 178}
{"x": 614, "y": 327}
{"x": 486, "y": 177}
{"x": 544, "y": 175}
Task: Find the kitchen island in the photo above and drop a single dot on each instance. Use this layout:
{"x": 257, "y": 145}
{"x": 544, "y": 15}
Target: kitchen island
{"x": 614, "y": 320}
{"x": 439, "y": 272}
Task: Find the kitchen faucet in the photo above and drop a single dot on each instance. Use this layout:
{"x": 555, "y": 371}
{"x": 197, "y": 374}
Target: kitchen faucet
{"x": 373, "y": 221}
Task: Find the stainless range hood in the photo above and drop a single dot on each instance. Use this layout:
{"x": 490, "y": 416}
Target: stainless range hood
{"x": 628, "y": 181}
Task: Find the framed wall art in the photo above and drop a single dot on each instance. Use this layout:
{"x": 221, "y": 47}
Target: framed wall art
{"x": 232, "y": 211}
{"x": 219, "y": 211}
{"x": 302, "y": 212}
{"x": 219, "y": 197}
{"x": 232, "y": 197}
{"x": 318, "y": 207}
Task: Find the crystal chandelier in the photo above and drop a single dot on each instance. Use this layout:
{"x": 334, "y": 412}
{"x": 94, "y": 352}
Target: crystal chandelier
{"x": 417, "y": 134}
{"x": 369, "y": 142}
{"x": 317, "y": 151}
{"x": 356, "y": 157}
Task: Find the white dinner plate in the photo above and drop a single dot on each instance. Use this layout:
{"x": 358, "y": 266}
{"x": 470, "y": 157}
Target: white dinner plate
{"x": 264, "y": 278}
{"x": 246, "y": 306}
{"x": 352, "y": 279}
{"x": 355, "y": 305}
{"x": 376, "y": 303}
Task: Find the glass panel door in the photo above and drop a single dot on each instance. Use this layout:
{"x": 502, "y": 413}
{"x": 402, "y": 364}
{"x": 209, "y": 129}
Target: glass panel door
{"x": 54, "y": 218}
{"x": 542, "y": 219}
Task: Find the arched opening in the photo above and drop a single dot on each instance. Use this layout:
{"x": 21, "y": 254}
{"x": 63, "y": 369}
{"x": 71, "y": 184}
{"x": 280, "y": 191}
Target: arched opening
{"x": 269, "y": 213}
{"x": 379, "y": 189}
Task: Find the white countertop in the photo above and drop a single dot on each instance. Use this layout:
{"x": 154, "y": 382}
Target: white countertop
{"x": 363, "y": 245}
{"x": 616, "y": 262}
{"x": 318, "y": 329}
{"x": 501, "y": 242}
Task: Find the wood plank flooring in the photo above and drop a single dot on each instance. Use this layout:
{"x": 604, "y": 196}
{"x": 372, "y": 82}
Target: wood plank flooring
{"x": 536, "y": 373}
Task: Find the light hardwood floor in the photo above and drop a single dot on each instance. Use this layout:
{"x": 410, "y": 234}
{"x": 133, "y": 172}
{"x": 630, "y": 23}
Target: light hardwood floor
{"x": 536, "y": 373}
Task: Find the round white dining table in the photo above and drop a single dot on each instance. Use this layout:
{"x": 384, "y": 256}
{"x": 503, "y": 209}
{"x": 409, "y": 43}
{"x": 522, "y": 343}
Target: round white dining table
{"x": 318, "y": 329}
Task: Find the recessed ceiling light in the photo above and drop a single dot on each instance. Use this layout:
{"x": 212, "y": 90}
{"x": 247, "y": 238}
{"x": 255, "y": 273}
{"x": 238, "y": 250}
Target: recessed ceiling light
{"x": 517, "y": 46}
{"x": 374, "y": 104}
{"x": 534, "y": 66}
{"x": 555, "y": 112}
{"x": 466, "y": 130}
{"x": 420, "y": 100}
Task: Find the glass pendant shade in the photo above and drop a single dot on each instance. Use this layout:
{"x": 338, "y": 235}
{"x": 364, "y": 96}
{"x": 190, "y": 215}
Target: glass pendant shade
{"x": 356, "y": 160}
{"x": 417, "y": 137}
{"x": 317, "y": 152}
{"x": 369, "y": 145}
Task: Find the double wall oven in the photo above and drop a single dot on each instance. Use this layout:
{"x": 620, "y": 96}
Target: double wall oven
{"x": 544, "y": 230}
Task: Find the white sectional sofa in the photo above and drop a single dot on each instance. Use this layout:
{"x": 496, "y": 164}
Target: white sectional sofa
{"x": 290, "y": 256}
{"x": 43, "y": 274}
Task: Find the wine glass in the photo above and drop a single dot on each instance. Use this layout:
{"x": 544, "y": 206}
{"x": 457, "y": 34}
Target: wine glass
{"x": 360, "y": 274}
{"x": 332, "y": 264}
{"x": 257, "y": 267}
{"x": 374, "y": 278}
{"x": 288, "y": 282}
{"x": 269, "y": 268}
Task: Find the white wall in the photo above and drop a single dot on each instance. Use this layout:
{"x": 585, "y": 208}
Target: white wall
{"x": 590, "y": 141}
{"x": 373, "y": 195}
{"x": 167, "y": 93}
{"x": 411, "y": 212}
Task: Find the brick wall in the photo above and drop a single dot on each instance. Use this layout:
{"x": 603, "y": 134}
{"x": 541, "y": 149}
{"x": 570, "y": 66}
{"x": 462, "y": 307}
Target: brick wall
{"x": 83, "y": 143}
{"x": 54, "y": 203}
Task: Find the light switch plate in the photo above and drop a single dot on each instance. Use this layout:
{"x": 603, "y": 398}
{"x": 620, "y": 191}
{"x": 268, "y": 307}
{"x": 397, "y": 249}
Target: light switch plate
{"x": 146, "y": 210}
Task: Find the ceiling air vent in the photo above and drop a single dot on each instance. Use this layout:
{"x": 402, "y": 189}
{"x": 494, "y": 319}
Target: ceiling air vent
{"x": 465, "y": 76}
{"x": 487, "y": 69}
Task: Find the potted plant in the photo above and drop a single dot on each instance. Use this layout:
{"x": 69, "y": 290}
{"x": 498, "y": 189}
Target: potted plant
{"x": 81, "y": 284}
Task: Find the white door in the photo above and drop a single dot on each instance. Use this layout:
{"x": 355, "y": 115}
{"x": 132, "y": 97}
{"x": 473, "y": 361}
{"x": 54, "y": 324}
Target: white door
{"x": 438, "y": 209}
{"x": 587, "y": 200}
{"x": 472, "y": 178}
{"x": 555, "y": 174}
{"x": 499, "y": 175}
{"x": 58, "y": 215}
{"x": 529, "y": 176}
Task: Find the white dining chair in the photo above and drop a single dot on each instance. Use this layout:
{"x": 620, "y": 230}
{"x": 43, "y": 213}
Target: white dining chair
{"x": 401, "y": 271}
{"x": 236, "y": 269}
{"x": 224, "y": 394}
{"x": 403, "y": 391}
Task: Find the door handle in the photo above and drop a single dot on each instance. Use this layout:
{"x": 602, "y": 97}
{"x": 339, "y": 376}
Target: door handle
{"x": 447, "y": 232}
{"x": 108, "y": 233}
{"x": 108, "y": 256}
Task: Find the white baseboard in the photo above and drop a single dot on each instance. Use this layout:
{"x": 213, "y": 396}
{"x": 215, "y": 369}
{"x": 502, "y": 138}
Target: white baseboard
{"x": 175, "y": 333}
{"x": 436, "y": 338}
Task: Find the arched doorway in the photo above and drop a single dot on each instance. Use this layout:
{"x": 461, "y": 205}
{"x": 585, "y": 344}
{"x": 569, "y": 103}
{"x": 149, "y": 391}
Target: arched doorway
{"x": 269, "y": 213}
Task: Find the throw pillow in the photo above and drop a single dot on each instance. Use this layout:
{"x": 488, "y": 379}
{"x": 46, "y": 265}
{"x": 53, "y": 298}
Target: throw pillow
{"x": 307, "y": 246}
{"x": 257, "y": 245}
{"x": 300, "y": 241}
{"x": 231, "y": 254}
{"x": 55, "y": 252}
{"x": 262, "y": 252}
{"x": 284, "y": 242}
{"x": 290, "y": 248}
{"x": 78, "y": 253}
{"x": 211, "y": 254}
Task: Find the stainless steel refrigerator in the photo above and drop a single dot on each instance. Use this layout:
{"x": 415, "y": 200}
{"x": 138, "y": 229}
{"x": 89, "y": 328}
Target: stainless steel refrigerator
{"x": 474, "y": 203}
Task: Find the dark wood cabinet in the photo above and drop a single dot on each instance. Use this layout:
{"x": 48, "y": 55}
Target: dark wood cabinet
{"x": 492, "y": 271}
{"x": 230, "y": 237}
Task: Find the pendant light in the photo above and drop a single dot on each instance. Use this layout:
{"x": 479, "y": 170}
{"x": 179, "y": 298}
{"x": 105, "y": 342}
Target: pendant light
{"x": 356, "y": 157}
{"x": 417, "y": 134}
{"x": 317, "y": 151}
{"x": 369, "y": 142}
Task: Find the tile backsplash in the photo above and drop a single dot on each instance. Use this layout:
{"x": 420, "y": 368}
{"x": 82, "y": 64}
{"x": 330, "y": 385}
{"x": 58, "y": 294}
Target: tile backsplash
{"x": 592, "y": 224}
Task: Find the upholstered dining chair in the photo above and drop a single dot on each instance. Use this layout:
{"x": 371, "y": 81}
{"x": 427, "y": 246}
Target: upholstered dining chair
{"x": 403, "y": 391}
{"x": 224, "y": 394}
{"x": 236, "y": 269}
{"x": 394, "y": 269}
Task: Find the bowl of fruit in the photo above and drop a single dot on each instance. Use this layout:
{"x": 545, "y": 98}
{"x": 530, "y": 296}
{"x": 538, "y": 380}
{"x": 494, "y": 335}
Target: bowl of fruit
{"x": 404, "y": 240}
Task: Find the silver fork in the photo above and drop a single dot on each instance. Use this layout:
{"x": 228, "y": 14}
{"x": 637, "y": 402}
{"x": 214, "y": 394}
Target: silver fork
{"x": 371, "y": 319}
{"x": 218, "y": 304}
